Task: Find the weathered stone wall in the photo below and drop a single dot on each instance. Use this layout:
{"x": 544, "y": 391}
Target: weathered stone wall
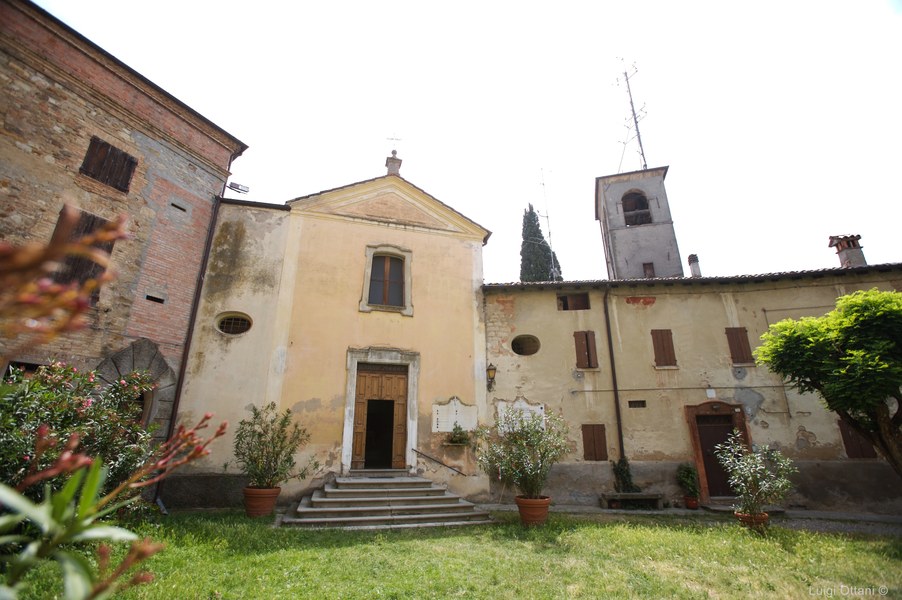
{"x": 57, "y": 90}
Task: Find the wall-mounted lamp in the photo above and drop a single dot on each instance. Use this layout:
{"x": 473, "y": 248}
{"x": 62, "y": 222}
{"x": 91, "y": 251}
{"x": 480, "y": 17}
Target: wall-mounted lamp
{"x": 490, "y": 372}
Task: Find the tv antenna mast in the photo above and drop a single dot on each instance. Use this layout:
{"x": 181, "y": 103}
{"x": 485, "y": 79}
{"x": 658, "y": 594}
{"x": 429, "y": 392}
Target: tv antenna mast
{"x": 626, "y": 78}
{"x": 555, "y": 272}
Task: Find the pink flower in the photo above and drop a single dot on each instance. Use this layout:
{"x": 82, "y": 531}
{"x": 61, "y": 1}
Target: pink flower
{"x": 122, "y": 382}
{"x": 26, "y": 457}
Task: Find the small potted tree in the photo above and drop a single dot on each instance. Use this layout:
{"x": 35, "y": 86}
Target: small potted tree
{"x": 687, "y": 478}
{"x": 520, "y": 449}
{"x": 758, "y": 476}
{"x": 265, "y": 445}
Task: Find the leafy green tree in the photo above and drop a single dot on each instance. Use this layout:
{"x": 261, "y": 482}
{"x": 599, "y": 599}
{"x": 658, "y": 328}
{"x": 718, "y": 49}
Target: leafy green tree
{"x": 852, "y": 357}
{"x": 537, "y": 261}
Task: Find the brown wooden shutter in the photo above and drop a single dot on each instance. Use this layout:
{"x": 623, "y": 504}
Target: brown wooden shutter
{"x": 738, "y": 339}
{"x": 108, "y": 165}
{"x": 573, "y": 302}
{"x": 595, "y": 446}
{"x": 79, "y": 269}
{"x": 662, "y": 341}
{"x": 586, "y": 355}
{"x": 857, "y": 446}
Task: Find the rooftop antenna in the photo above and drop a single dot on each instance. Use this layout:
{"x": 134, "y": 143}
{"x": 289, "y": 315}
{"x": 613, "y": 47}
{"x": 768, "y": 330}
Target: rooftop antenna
{"x": 555, "y": 272}
{"x": 626, "y": 77}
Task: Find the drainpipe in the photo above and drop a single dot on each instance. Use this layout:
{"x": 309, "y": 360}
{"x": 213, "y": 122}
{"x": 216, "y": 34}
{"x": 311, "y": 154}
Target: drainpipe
{"x": 195, "y": 305}
{"x": 607, "y": 324}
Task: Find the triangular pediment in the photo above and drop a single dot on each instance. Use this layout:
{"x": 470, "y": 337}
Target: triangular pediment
{"x": 389, "y": 200}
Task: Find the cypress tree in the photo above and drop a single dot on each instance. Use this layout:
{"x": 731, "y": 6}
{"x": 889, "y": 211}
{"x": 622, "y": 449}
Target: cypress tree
{"x": 537, "y": 261}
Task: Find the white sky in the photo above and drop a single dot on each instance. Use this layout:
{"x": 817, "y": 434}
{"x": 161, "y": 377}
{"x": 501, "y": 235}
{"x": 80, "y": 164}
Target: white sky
{"x": 781, "y": 121}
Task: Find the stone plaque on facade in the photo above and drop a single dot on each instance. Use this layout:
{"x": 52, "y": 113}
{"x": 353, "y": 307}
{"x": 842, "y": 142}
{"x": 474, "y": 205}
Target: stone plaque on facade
{"x": 444, "y": 416}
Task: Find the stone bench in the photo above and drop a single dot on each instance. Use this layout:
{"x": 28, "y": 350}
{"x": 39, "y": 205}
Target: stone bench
{"x": 633, "y": 500}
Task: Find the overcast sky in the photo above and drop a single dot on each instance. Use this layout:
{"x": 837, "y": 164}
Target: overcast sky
{"x": 781, "y": 121}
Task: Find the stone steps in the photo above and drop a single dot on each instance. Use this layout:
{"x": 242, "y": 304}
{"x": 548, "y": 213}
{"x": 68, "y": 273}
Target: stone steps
{"x": 382, "y": 501}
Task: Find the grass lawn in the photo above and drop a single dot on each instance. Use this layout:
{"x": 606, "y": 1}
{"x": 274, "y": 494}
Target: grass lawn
{"x": 226, "y": 555}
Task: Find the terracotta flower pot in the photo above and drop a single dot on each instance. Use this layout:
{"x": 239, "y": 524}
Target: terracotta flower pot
{"x": 260, "y": 501}
{"x": 691, "y": 502}
{"x": 533, "y": 511}
{"x": 757, "y": 522}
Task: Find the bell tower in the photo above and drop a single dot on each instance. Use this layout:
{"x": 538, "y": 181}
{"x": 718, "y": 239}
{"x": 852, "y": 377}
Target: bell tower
{"x": 636, "y": 226}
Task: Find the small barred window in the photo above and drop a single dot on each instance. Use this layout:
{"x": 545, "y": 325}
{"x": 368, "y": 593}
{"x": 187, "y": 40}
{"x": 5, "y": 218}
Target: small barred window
{"x": 233, "y": 324}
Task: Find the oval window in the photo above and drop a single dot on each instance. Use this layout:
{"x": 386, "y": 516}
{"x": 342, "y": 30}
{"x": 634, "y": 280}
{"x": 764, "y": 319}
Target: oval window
{"x": 525, "y": 345}
{"x": 233, "y": 324}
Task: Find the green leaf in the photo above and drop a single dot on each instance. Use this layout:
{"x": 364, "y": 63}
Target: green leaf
{"x": 62, "y": 499}
{"x": 12, "y": 539}
{"x": 7, "y": 522}
{"x": 78, "y": 578}
{"x": 39, "y": 514}
{"x": 105, "y": 532}
{"x": 91, "y": 490}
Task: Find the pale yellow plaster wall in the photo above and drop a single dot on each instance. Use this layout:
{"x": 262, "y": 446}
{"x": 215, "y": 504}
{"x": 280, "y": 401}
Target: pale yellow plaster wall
{"x": 227, "y": 373}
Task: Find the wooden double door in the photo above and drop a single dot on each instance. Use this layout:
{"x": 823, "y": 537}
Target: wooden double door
{"x": 380, "y": 417}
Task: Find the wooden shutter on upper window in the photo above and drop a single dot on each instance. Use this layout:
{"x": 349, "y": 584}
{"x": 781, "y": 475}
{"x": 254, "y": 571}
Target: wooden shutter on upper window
{"x": 662, "y": 341}
{"x": 738, "y": 339}
{"x": 857, "y": 446}
{"x": 586, "y": 356}
{"x": 108, "y": 164}
{"x": 595, "y": 446}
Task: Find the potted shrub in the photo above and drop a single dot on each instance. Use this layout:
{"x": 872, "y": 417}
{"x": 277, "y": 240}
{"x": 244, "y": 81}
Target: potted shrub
{"x": 687, "y": 478}
{"x": 758, "y": 476}
{"x": 520, "y": 449}
{"x": 265, "y": 445}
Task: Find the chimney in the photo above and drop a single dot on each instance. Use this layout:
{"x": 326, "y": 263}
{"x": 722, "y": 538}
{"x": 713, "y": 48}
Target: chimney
{"x": 694, "y": 269}
{"x": 849, "y": 250}
{"x": 393, "y": 163}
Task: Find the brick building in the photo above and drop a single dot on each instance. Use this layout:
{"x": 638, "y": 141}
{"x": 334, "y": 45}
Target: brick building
{"x": 81, "y": 128}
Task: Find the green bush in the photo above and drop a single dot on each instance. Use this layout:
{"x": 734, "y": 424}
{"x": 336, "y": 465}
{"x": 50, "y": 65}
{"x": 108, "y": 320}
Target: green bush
{"x": 521, "y": 448}
{"x": 106, "y": 420}
{"x": 758, "y": 476}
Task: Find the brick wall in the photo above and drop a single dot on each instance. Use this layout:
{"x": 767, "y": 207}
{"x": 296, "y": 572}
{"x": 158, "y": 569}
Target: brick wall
{"x": 57, "y": 91}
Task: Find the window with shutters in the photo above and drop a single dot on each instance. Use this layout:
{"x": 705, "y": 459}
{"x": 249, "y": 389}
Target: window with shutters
{"x": 573, "y": 301}
{"x": 387, "y": 285}
{"x": 595, "y": 446}
{"x": 635, "y": 208}
{"x": 662, "y": 341}
{"x": 77, "y": 269}
{"x": 108, "y": 165}
{"x": 740, "y": 350}
{"x": 586, "y": 356}
{"x": 857, "y": 446}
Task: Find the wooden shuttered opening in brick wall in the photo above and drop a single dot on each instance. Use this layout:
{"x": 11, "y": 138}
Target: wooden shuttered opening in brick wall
{"x": 595, "y": 445}
{"x": 586, "y": 355}
{"x": 857, "y": 446}
{"x": 740, "y": 350}
{"x": 79, "y": 269}
{"x": 662, "y": 341}
{"x": 108, "y": 165}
